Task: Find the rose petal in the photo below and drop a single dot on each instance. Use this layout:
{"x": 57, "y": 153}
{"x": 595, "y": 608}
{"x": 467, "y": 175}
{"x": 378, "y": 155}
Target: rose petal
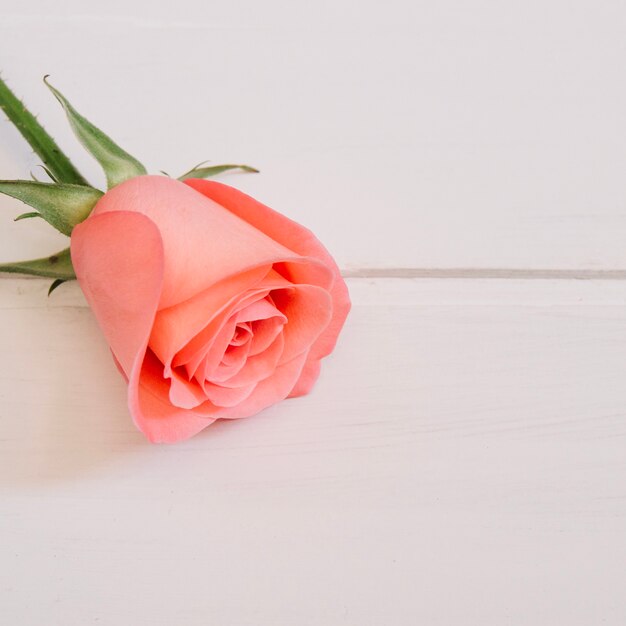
{"x": 263, "y": 333}
{"x": 118, "y": 259}
{"x": 212, "y": 352}
{"x": 268, "y": 392}
{"x": 185, "y": 394}
{"x": 308, "y": 378}
{"x": 259, "y": 310}
{"x": 202, "y": 242}
{"x": 308, "y": 310}
{"x": 226, "y": 396}
{"x": 153, "y": 413}
{"x": 175, "y": 326}
{"x": 242, "y": 335}
{"x": 233, "y": 361}
{"x": 255, "y": 369}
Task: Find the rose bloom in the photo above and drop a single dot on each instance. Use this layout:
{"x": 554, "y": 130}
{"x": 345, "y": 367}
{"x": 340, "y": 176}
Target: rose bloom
{"x": 214, "y": 305}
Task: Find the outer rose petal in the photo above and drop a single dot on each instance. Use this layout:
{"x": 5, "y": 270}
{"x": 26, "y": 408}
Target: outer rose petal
{"x": 153, "y": 413}
{"x": 308, "y": 377}
{"x": 291, "y": 235}
{"x": 202, "y": 243}
{"x": 118, "y": 258}
{"x": 160, "y": 421}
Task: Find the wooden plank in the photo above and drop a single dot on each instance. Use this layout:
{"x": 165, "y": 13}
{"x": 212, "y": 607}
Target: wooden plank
{"x": 408, "y": 133}
{"x": 461, "y": 461}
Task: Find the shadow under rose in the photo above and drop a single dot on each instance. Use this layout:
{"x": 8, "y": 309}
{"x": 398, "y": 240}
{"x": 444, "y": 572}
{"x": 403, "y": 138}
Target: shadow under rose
{"x": 65, "y": 441}
{"x": 63, "y": 410}
{"x": 85, "y": 433}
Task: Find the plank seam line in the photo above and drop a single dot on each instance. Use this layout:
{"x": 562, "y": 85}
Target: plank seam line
{"x": 485, "y": 273}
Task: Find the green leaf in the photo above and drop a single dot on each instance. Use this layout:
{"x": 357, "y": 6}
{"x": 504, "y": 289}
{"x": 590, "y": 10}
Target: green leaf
{"x": 56, "y": 266}
{"x": 214, "y": 170}
{"x": 117, "y": 164}
{"x": 24, "y": 216}
{"x": 57, "y": 283}
{"x": 40, "y": 141}
{"x": 63, "y": 206}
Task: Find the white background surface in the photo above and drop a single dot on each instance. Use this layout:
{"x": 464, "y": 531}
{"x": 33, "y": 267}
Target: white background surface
{"x": 462, "y": 459}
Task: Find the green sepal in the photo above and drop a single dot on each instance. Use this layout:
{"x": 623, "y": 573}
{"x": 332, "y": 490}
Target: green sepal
{"x": 117, "y": 164}
{"x": 40, "y": 141}
{"x": 50, "y": 174}
{"x": 24, "y": 216}
{"x": 63, "y": 206}
{"x": 57, "y": 283}
{"x": 58, "y": 265}
{"x": 214, "y": 170}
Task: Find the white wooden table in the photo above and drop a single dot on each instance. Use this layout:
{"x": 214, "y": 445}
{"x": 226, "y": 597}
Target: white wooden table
{"x": 462, "y": 459}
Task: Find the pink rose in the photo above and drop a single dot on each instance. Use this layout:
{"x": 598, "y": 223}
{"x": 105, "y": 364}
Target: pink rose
{"x": 214, "y": 305}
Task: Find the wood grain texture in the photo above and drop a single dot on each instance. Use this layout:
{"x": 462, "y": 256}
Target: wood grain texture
{"x": 405, "y": 133}
{"x": 461, "y": 461}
